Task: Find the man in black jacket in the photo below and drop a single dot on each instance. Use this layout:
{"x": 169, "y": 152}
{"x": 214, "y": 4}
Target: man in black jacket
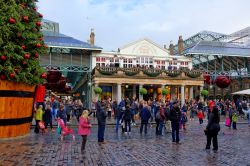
{"x": 175, "y": 117}
{"x": 101, "y": 118}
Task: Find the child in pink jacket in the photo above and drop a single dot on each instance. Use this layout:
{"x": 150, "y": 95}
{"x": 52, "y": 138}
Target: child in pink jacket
{"x": 84, "y": 128}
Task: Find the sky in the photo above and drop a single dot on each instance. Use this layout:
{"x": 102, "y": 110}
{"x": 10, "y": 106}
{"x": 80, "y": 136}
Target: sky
{"x": 120, "y": 22}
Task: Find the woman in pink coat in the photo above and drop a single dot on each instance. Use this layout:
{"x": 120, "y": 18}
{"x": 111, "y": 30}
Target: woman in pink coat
{"x": 84, "y": 128}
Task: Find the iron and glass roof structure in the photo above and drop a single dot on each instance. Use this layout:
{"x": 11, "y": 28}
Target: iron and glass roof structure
{"x": 218, "y": 53}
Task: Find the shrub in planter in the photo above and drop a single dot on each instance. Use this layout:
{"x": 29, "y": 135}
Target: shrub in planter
{"x": 143, "y": 91}
{"x": 98, "y": 90}
{"x": 204, "y": 92}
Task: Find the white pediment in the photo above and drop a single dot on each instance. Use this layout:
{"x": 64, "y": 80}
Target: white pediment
{"x": 144, "y": 47}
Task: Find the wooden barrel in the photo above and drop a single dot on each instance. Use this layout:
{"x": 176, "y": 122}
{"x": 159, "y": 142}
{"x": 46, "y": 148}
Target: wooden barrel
{"x": 16, "y": 106}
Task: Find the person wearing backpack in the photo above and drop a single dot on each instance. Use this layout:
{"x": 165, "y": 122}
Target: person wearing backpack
{"x": 175, "y": 117}
{"x": 159, "y": 119}
{"x": 145, "y": 116}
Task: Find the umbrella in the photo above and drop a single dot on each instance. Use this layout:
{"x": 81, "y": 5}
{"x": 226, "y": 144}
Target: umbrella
{"x": 242, "y": 92}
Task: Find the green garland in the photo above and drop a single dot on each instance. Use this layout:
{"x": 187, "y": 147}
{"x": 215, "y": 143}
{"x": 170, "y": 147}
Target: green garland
{"x": 105, "y": 72}
{"x": 152, "y": 74}
{"x": 131, "y": 73}
{"x": 173, "y": 73}
{"x": 193, "y": 74}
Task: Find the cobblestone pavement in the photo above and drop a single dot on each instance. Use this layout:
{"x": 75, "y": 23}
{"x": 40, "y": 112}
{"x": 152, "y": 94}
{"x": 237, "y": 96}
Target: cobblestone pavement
{"x": 133, "y": 149}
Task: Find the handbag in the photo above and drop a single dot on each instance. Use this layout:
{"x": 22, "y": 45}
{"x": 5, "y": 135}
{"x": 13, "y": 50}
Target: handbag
{"x": 227, "y": 122}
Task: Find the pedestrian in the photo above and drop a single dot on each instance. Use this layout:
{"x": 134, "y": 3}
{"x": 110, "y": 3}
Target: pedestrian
{"x": 200, "y": 116}
{"x": 47, "y": 118}
{"x": 93, "y": 108}
{"x": 101, "y": 119}
{"x": 159, "y": 119}
{"x": 212, "y": 129}
{"x": 127, "y": 117}
{"x": 38, "y": 118}
{"x": 234, "y": 120}
{"x": 145, "y": 116}
{"x": 175, "y": 117}
{"x": 120, "y": 112}
{"x": 84, "y": 128}
{"x": 62, "y": 114}
{"x": 134, "y": 108}
{"x": 55, "y": 107}
{"x": 247, "y": 112}
{"x": 184, "y": 120}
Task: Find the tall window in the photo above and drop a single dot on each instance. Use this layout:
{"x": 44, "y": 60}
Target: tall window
{"x": 127, "y": 63}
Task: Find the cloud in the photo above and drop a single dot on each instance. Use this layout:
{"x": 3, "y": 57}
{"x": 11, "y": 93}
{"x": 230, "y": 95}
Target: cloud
{"x": 118, "y": 22}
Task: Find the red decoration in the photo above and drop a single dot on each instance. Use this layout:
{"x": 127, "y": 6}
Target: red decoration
{"x": 222, "y": 81}
{"x": 38, "y": 45}
{"x": 34, "y": 9}
{"x": 12, "y": 75}
{"x": 24, "y": 63}
{"x": 23, "y": 47}
{"x": 12, "y": 21}
{"x": 16, "y": 70}
{"x": 3, "y": 77}
{"x": 45, "y": 46}
{"x": 38, "y": 24}
{"x": 25, "y": 18}
{"x": 41, "y": 39}
{"x": 40, "y": 93}
{"x": 207, "y": 78}
{"x": 43, "y": 75}
{"x": 19, "y": 35}
{"x": 36, "y": 55}
{"x": 3, "y": 58}
{"x": 40, "y": 15}
{"x": 27, "y": 56}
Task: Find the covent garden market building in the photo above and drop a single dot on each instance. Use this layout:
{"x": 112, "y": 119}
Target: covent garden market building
{"x": 207, "y": 60}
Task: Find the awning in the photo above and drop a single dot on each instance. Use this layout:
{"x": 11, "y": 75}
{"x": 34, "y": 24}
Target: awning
{"x": 243, "y": 92}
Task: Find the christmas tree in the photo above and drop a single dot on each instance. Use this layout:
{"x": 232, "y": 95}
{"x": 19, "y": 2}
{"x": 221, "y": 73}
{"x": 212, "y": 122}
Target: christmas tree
{"x": 21, "y": 42}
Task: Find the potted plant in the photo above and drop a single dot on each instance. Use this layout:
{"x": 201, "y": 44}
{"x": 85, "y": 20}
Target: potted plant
{"x": 21, "y": 44}
{"x": 98, "y": 90}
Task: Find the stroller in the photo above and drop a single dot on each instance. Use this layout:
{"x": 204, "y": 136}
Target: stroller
{"x": 64, "y": 130}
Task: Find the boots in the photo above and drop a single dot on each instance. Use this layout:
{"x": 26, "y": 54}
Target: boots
{"x": 83, "y": 145}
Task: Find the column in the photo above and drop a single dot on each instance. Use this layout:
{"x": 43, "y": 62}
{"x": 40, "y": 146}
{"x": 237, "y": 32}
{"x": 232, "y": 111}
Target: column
{"x": 119, "y": 92}
{"x": 201, "y": 97}
{"x": 182, "y": 95}
{"x": 155, "y": 93}
{"x": 134, "y": 91}
{"x": 140, "y": 96}
{"x": 163, "y": 96}
{"x": 191, "y": 92}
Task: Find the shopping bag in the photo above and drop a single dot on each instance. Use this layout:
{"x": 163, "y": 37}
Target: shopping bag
{"x": 41, "y": 125}
{"x": 227, "y": 123}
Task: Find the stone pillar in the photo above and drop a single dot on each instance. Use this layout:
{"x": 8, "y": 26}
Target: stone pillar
{"x": 172, "y": 91}
{"x": 134, "y": 91}
{"x": 140, "y": 96}
{"x": 119, "y": 93}
{"x": 201, "y": 97}
{"x": 155, "y": 93}
{"x": 182, "y": 95}
{"x": 191, "y": 92}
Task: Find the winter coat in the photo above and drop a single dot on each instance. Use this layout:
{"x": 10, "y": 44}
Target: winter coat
{"x": 47, "y": 117}
{"x": 39, "y": 114}
{"x": 175, "y": 114}
{"x": 62, "y": 115}
{"x": 145, "y": 114}
{"x": 100, "y": 114}
{"x": 127, "y": 114}
{"x": 200, "y": 115}
{"x": 213, "y": 125}
{"x": 84, "y": 126}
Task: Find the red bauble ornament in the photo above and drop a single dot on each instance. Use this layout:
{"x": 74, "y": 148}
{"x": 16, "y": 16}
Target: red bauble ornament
{"x": 3, "y": 77}
{"x": 222, "y": 81}
{"x": 207, "y": 78}
{"x": 34, "y": 9}
{"x": 41, "y": 38}
{"x": 12, "y": 21}
{"x": 36, "y": 55}
{"x": 23, "y": 47}
{"x": 38, "y": 45}
{"x": 12, "y": 75}
{"x": 25, "y": 18}
{"x": 27, "y": 56}
{"x": 24, "y": 63}
{"x": 3, "y": 58}
{"x": 43, "y": 75}
{"x": 19, "y": 35}
{"x": 40, "y": 15}
{"x": 38, "y": 24}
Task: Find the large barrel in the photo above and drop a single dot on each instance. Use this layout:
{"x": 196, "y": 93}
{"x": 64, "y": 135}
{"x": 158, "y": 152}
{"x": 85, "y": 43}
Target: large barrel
{"x": 16, "y": 106}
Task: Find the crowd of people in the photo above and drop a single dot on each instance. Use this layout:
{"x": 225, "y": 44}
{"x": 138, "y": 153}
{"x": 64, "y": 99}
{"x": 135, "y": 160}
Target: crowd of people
{"x": 167, "y": 115}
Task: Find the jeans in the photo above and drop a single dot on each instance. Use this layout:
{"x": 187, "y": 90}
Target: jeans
{"x": 144, "y": 123}
{"x": 37, "y": 127}
{"x": 101, "y": 129}
{"x": 133, "y": 115}
{"x": 127, "y": 126}
{"x": 211, "y": 136}
{"x": 54, "y": 112}
{"x": 201, "y": 121}
{"x": 175, "y": 131}
{"x": 159, "y": 126}
{"x": 234, "y": 125}
{"x": 48, "y": 123}
{"x": 117, "y": 124}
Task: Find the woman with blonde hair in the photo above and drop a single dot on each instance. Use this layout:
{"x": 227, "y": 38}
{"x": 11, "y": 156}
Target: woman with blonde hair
{"x": 84, "y": 128}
